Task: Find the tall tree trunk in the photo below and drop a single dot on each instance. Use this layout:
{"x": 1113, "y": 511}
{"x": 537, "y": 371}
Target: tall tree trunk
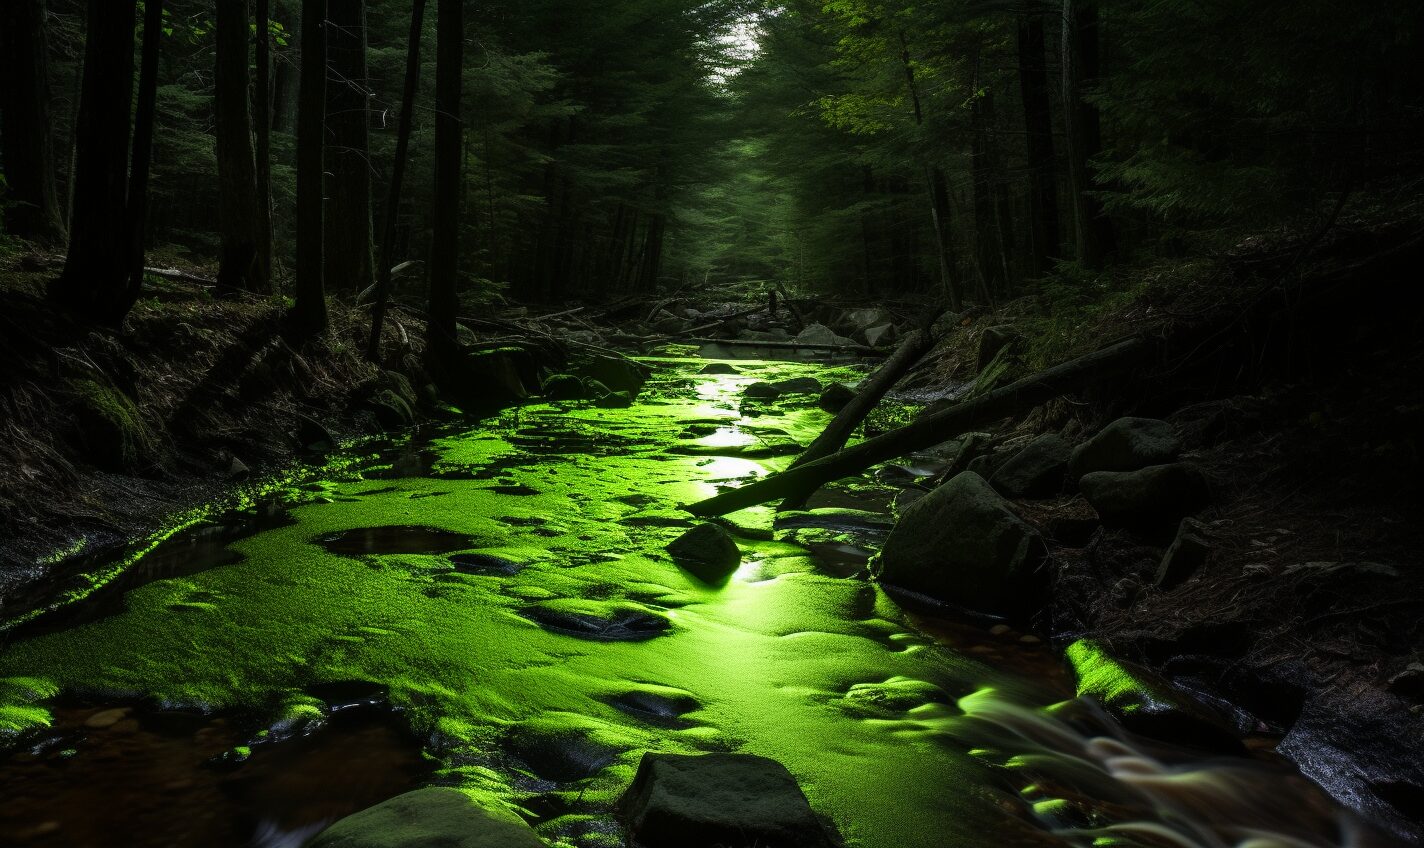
{"x": 263, "y": 131}
{"x": 239, "y": 208}
{"x": 309, "y": 316}
{"x": 653, "y": 255}
{"x": 445, "y": 236}
{"x": 1042, "y": 169}
{"x": 986, "y": 231}
{"x": 96, "y": 270}
{"x": 348, "y": 216}
{"x": 287, "y": 78}
{"x": 938, "y": 190}
{"x": 1092, "y": 230}
{"x": 388, "y": 226}
{"x": 145, "y": 113}
{"x": 34, "y": 210}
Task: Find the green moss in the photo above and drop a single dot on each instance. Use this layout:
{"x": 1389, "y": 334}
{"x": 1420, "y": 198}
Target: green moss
{"x": 113, "y": 432}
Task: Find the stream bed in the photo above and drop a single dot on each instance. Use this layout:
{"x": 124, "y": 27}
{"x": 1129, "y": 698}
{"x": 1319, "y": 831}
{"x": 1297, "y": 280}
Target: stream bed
{"x": 494, "y": 609}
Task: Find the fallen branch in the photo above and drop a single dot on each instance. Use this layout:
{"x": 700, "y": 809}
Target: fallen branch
{"x": 1018, "y": 397}
{"x": 180, "y": 276}
{"x": 850, "y": 348}
{"x": 870, "y": 392}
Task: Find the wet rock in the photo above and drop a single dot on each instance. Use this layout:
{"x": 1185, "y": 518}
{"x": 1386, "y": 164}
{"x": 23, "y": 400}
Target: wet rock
{"x": 488, "y": 379}
{"x": 565, "y": 747}
{"x": 1127, "y": 444}
{"x": 1152, "y": 499}
{"x": 962, "y": 545}
{"x": 708, "y": 552}
{"x": 860, "y": 320}
{"x": 313, "y": 436}
{"x": 820, "y": 334}
{"x": 894, "y": 696}
{"x": 1037, "y": 471}
{"x": 618, "y": 373}
{"x": 390, "y": 410}
{"x": 718, "y": 801}
{"x": 603, "y": 621}
{"x": 835, "y": 396}
{"x": 761, "y": 391}
{"x": 563, "y": 387}
{"x": 238, "y": 470}
{"x": 1145, "y": 703}
{"x": 485, "y": 564}
{"x": 436, "y": 816}
{"x": 107, "y": 718}
{"x": 1186, "y": 555}
{"x": 657, "y": 704}
{"x": 993, "y": 340}
{"x": 905, "y": 498}
{"x": 394, "y": 539}
{"x": 112, "y": 433}
{"x": 798, "y": 386}
{"x": 614, "y": 400}
{"x": 719, "y": 368}
{"x": 881, "y": 335}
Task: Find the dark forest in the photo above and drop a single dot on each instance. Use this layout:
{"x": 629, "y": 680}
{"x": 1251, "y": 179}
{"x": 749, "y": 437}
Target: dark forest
{"x": 711, "y": 424}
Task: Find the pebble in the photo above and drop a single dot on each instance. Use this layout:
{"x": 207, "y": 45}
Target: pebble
{"x": 1000, "y": 630}
{"x": 1030, "y": 639}
{"x": 106, "y": 718}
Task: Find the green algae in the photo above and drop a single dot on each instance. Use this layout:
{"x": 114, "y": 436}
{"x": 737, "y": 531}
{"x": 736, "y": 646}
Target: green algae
{"x": 769, "y": 658}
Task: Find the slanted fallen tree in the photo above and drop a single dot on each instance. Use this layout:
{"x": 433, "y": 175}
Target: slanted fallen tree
{"x": 800, "y": 481}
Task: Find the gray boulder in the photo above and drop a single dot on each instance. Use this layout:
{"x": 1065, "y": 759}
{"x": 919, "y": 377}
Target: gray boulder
{"x": 883, "y": 334}
{"x": 1126, "y": 444}
{"x": 437, "y": 816}
{"x": 1152, "y": 499}
{"x": 708, "y": 552}
{"x": 861, "y": 320}
{"x": 725, "y": 800}
{"x": 820, "y": 334}
{"x": 1037, "y": 471}
{"x": 961, "y": 544}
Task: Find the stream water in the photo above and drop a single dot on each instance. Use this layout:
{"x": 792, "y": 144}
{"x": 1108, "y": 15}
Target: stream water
{"x": 494, "y": 609}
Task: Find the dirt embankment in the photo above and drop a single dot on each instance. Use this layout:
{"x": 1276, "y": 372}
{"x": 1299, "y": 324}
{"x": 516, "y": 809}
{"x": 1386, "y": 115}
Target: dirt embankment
{"x": 1300, "y": 616}
{"x": 107, "y": 434}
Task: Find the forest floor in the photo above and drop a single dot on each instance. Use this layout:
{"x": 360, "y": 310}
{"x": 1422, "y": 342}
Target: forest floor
{"x": 108, "y": 436}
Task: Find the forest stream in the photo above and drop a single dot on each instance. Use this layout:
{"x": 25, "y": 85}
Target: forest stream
{"x": 494, "y": 608}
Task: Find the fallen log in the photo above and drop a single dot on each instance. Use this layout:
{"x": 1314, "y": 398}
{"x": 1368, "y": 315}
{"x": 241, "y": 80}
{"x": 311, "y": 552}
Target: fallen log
{"x": 870, "y": 392}
{"x": 791, "y": 345}
{"x": 1018, "y": 397}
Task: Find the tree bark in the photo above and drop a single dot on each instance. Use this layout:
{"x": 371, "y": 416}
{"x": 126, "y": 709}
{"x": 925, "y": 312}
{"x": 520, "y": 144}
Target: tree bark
{"x": 1083, "y": 130}
{"x": 1042, "y": 169}
{"x": 309, "y": 315}
{"x": 938, "y": 189}
{"x": 445, "y": 248}
{"x": 145, "y": 113}
{"x": 348, "y": 239}
{"x": 988, "y": 253}
{"x": 95, "y": 278}
{"x": 801, "y": 481}
{"x": 263, "y": 132}
{"x": 240, "y": 266}
{"x": 388, "y": 235}
{"x": 27, "y": 145}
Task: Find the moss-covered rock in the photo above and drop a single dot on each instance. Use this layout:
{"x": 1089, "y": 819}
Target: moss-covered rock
{"x": 563, "y": 387}
{"x": 112, "y": 433}
{"x": 436, "y": 816}
{"x": 708, "y": 552}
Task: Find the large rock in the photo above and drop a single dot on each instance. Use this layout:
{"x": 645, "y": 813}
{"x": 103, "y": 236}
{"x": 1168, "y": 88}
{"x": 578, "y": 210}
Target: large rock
{"x": 835, "y": 396}
{"x": 1145, "y": 703}
{"x": 708, "y": 552}
{"x": 1036, "y": 471}
{"x": 437, "y": 817}
{"x": 860, "y": 320}
{"x": 820, "y": 334}
{"x": 616, "y": 372}
{"x": 1153, "y": 499}
{"x": 798, "y": 386}
{"x": 882, "y": 334}
{"x": 483, "y": 381}
{"x": 718, "y": 801}
{"x": 961, "y": 544}
{"x": 1126, "y": 444}
{"x": 992, "y": 341}
{"x": 563, "y": 387}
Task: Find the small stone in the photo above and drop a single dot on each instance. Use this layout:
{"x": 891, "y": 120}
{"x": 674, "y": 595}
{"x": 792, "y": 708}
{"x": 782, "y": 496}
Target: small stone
{"x": 708, "y": 552}
{"x": 1030, "y": 639}
{"x": 107, "y": 718}
{"x": 761, "y": 391}
{"x": 237, "y": 470}
{"x": 1000, "y": 630}
{"x": 719, "y": 368}
{"x": 835, "y": 396}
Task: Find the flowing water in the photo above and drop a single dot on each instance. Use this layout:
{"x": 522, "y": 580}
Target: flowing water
{"x": 494, "y": 609}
